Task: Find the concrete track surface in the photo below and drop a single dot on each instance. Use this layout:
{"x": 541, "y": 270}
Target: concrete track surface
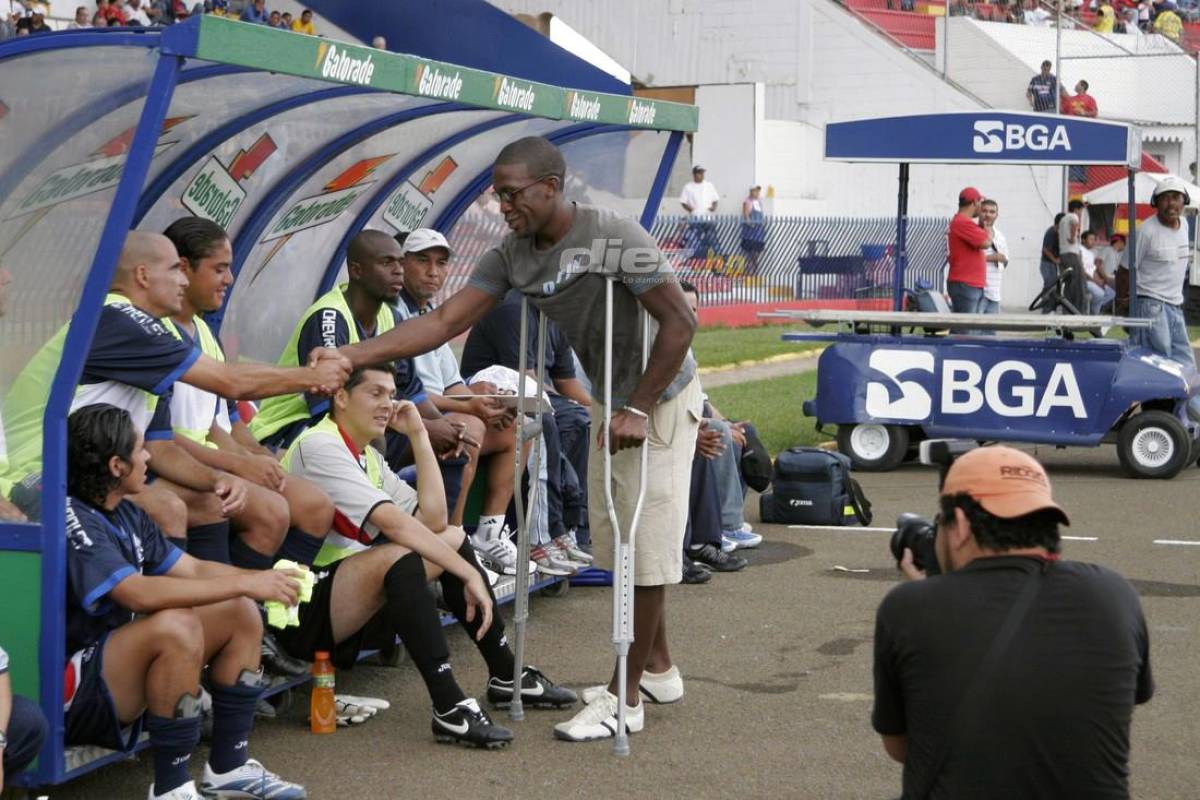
{"x": 777, "y": 661}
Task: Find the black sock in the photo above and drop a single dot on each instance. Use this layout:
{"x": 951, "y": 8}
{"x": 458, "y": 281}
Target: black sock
{"x": 414, "y": 616}
{"x": 493, "y": 646}
{"x": 244, "y": 556}
{"x": 209, "y": 542}
{"x": 173, "y": 741}
{"x": 233, "y": 717}
{"x": 300, "y": 547}
{"x": 180, "y": 543}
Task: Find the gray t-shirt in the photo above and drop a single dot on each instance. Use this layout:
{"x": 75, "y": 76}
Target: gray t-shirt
{"x": 1065, "y": 245}
{"x": 566, "y": 282}
{"x": 1162, "y": 260}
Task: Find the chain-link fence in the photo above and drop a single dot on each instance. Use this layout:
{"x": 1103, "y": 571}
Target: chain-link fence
{"x": 828, "y": 261}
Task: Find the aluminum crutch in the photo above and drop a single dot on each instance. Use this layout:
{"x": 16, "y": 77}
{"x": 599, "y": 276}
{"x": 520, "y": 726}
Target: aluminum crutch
{"x": 526, "y": 430}
{"x": 623, "y": 546}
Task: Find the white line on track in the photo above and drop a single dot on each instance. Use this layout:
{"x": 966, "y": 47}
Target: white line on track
{"x": 1080, "y": 538}
{"x": 842, "y": 528}
{"x": 1184, "y": 542}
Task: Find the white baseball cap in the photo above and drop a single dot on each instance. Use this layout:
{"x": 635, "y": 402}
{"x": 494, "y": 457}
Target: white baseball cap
{"x": 424, "y": 239}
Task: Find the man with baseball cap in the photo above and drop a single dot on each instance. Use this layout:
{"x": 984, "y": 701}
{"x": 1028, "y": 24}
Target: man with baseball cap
{"x": 1161, "y": 263}
{"x": 1014, "y": 673}
{"x": 967, "y": 241}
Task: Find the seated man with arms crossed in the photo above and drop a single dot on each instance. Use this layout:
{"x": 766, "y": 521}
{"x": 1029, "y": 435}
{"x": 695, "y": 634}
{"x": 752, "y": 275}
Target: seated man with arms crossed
{"x": 426, "y": 264}
{"x": 386, "y": 544}
{"x": 144, "y": 618}
{"x": 134, "y": 361}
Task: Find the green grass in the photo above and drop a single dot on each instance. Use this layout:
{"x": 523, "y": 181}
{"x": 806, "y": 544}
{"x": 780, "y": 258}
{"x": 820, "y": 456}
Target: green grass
{"x": 774, "y": 407}
{"x": 717, "y": 346}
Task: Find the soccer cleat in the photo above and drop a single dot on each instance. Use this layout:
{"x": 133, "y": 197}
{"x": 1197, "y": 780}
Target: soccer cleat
{"x": 657, "y": 687}
{"x": 550, "y": 562}
{"x": 185, "y": 792}
{"x": 536, "y": 690}
{"x": 715, "y": 558}
{"x": 251, "y": 780}
{"x": 469, "y": 725}
{"x": 276, "y": 660}
{"x": 743, "y": 539}
{"x": 567, "y": 543}
{"x": 598, "y": 720}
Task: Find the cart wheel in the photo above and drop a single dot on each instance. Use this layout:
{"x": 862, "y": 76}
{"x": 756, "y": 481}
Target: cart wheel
{"x": 557, "y": 589}
{"x": 1153, "y": 444}
{"x": 873, "y": 447}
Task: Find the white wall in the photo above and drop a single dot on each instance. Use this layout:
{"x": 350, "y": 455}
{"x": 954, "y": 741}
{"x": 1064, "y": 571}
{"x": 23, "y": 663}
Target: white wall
{"x": 730, "y": 116}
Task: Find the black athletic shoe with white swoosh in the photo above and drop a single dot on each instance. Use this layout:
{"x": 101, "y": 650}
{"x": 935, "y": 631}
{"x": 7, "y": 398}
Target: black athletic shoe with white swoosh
{"x": 469, "y": 725}
{"x": 537, "y": 691}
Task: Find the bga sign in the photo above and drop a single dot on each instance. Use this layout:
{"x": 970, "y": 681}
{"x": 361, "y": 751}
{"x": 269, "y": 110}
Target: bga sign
{"x": 905, "y": 386}
{"x": 994, "y": 136}
{"x": 983, "y": 137}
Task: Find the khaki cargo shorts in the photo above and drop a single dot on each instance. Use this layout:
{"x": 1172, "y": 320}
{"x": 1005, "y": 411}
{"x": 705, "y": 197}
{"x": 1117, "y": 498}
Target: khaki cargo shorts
{"x": 658, "y": 546}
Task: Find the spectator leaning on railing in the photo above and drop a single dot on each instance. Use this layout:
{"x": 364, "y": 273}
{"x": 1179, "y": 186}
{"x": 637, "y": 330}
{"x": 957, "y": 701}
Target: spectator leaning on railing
{"x": 1043, "y": 89}
{"x": 1080, "y": 104}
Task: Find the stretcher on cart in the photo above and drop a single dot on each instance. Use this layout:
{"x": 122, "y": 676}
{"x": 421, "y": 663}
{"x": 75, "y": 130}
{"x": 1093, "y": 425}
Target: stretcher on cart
{"x": 888, "y": 380}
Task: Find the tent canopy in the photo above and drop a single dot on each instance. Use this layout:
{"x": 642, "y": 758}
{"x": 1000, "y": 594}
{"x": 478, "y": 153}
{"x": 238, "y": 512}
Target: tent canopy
{"x": 293, "y": 144}
{"x": 983, "y": 137}
{"x": 1144, "y": 185}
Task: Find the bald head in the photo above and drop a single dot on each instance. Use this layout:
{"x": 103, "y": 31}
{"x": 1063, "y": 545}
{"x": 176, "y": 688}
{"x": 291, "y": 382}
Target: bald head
{"x": 367, "y": 244}
{"x": 149, "y": 273}
{"x": 373, "y": 262}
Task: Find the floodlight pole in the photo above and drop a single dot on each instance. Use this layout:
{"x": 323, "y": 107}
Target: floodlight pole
{"x": 1058, "y": 86}
{"x": 1131, "y": 241}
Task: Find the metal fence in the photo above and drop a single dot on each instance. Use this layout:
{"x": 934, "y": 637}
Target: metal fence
{"x": 825, "y": 261}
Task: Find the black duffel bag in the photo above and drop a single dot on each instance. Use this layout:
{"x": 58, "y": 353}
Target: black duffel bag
{"x": 811, "y": 486}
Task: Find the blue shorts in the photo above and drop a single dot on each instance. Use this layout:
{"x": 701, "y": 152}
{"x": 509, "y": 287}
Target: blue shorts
{"x": 91, "y": 715}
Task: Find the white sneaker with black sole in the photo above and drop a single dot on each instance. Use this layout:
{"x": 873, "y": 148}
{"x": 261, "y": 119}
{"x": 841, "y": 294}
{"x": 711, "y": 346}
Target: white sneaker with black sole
{"x": 657, "y": 687}
{"x": 598, "y": 720}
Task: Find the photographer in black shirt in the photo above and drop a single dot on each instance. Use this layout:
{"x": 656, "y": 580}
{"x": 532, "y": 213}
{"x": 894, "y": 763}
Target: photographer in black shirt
{"x": 1013, "y": 674}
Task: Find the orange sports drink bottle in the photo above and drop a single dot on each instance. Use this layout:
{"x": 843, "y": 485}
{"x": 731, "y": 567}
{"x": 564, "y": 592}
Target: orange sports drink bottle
{"x": 323, "y": 707}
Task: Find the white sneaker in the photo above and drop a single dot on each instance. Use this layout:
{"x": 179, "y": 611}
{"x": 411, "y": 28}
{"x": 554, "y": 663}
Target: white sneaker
{"x": 598, "y": 720}
{"x": 657, "y": 687}
{"x": 500, "y": 553}
{"x": 550, "y": 562}
{"x": 564, "y": 553}
{"x": 252, "y": 780}
{"x": 573, "y": 551}
{"x": 185, "y": 792}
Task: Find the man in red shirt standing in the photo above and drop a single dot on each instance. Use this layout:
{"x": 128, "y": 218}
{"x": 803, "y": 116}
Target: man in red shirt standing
{"x": 968, "y": 264}
{"x": 1080, "y": 104}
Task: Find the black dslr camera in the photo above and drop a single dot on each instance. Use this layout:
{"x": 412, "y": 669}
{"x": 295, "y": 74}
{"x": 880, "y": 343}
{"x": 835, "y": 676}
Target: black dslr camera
{"x": 915, "y": 532}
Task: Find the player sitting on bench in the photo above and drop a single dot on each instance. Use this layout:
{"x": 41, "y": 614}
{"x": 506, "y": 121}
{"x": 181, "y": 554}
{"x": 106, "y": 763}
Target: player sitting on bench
{"x": 388, "y": 541}
{"x": 143, "y": 619}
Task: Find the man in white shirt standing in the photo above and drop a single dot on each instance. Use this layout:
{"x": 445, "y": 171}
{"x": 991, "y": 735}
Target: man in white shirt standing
{"x": 699, "y": 199}
{"x": 996, "y": 256}
{"x": 1100, "y": 293}
{"x": 1161, "y": 263}
{"x": 1069, "y": 257}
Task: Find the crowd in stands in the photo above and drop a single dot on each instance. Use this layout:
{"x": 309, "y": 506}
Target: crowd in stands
{"x": 28, "y": 17}
{"x": 190, "y": 510}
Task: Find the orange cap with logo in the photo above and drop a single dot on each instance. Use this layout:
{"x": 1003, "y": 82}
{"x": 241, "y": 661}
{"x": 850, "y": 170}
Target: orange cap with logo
{"x": 1006, "y": 482}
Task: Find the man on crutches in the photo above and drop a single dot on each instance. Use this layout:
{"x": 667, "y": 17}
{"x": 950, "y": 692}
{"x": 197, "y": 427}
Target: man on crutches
{"x": 560, "y": 254}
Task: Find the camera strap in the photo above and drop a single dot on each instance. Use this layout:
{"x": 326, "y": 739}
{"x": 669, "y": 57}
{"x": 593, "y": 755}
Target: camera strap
{"x": 983, "y": 674}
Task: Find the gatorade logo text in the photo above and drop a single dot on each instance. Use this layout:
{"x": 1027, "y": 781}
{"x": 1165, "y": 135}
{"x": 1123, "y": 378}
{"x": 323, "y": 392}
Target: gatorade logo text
{"x": 1009, "y": 388}
{"x": 994, "y": 136}
{"x": 214, "y": 194}
{"x": 341, "y": 66}
{"x": 583, "y": 106}
{"x": 641, "y": 113}
{"x": 511, "y": 94}
{"x": 432, "y": 82}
